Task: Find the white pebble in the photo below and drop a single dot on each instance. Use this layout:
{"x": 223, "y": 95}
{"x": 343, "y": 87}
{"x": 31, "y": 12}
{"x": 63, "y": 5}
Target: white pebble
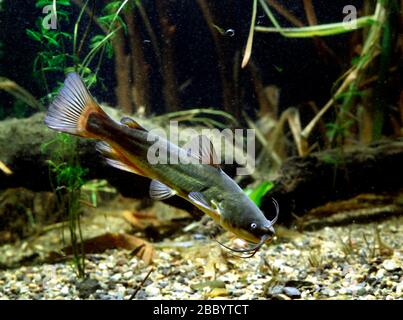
{"x": 152, "y": 291}
{"x": 102, "y": 266}
{"x": 64, "y": 291}
{"x": 128, "y": 275}
{"x": 390, "y": 265}
{"x": 399, "y": 289}
{"x": 116, "y": 277}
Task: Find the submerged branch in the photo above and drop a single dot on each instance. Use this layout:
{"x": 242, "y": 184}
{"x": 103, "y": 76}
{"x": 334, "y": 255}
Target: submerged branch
{"x": 20, "y": 93}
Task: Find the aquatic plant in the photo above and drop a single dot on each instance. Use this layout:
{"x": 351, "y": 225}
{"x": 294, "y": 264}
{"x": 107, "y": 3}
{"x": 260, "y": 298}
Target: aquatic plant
{"x": 347, "y": 246}
{"x": 53, "y": 58}
{"x": 377, "y": 247}
{"x": 256, "y": 194}
{"x": 315, "y": 258}
{"x": 348, "y": 90}
{"x": 93, "y": 188}
{"x": 67, "y": 179}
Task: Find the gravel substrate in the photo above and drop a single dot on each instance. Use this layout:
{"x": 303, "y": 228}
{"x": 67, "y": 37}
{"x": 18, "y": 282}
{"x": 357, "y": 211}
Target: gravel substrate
{"x": 350, "y": 262}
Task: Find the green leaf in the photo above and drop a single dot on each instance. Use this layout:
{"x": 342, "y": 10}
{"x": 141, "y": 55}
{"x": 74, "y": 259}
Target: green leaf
{"x": 112, "y": 6}
{"x": 51, "y": 40}
{"x": 43, "y": 3}
{"x": 257, "y": 194}
{"x": 34, "y": 35}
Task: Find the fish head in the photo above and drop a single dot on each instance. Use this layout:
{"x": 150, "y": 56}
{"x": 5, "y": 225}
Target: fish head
{"x": 242, "y": 216}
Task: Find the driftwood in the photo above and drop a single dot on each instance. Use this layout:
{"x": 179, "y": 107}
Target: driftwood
{"x": 309, "y": 182}
{"x": 302, "y": 184}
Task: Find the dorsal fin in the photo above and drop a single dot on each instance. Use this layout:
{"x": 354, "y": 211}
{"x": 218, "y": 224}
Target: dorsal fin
{"x": 131, "y": 123}
{"x": 202, "y": 148}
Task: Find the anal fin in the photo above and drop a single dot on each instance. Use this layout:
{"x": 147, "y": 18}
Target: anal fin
{"x": 114, "y": 159}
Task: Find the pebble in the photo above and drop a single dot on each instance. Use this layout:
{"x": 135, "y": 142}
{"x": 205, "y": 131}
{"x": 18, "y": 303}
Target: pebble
{"x": 152, "y": 291}
{"x": 390, "y": 265}
{"x": 116, "y": 277}
{"x": 128, "y": 275}
{"x": 87, "y": 287}
{"x": 399, "y": 289}
{"x": 64, "y": 291}
{"x": 279, "y": 271}
{"x": 291, "y": 292}
{"x": 276, "y": 290}
{"x": 102, "y": 266}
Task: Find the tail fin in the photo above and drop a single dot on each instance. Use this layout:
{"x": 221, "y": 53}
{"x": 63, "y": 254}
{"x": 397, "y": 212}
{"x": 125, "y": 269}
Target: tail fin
{"x": 70, "y": 110}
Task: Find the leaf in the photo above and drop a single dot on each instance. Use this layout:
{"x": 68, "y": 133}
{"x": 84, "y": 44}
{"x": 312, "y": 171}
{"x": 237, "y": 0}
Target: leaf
{"x": 218, "y": 292}
{"x": 141, "y": 221}
{"x": 213, "y": 284}
{"x": 51, "y": 40}
{"x": 34, "y": 35}
{"x": 249, "y": 43}
{"x": 139, "y": 247}
{"x": 112, "y": 6}
{"x": 43, "y": 3}
{"x": 257, "y": 194}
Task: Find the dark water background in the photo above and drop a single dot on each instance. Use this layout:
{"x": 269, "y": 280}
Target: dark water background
{"x": 304, "y": 74}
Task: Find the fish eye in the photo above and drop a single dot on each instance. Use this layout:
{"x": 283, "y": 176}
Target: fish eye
{"x": 253, "y": 225}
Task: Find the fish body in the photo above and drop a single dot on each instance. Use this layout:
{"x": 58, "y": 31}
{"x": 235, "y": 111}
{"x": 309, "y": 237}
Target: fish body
{"x": 126, "y": 145}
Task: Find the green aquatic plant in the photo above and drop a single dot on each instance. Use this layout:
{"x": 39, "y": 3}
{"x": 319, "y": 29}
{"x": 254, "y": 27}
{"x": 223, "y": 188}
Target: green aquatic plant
{"x": 67, "y": 175}
{"x": 322, "y": 30}
{"x": 67, "y": 178}
{"x": 256, "y": 194}
{"x": 94, "y": 187}
{"x": 53, "y": 56}
{"x": 378, "y": 36}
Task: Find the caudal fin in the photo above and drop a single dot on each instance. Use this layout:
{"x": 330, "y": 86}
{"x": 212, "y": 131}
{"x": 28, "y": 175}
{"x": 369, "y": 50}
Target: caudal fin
{"x": 70, "y": 110}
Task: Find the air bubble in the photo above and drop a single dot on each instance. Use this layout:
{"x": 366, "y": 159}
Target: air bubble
{"x": 230, "y": 32}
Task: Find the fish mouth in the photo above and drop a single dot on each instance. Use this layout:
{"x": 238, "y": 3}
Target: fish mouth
{"x": 269, "y": 232}
{"x": 252, "y": 250}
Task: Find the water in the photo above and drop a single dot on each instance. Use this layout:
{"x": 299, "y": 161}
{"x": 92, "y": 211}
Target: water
{"x": 308, "y": 116}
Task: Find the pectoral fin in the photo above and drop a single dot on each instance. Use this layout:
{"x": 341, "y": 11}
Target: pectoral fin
{"x": 198, "y": 199}
{"x": 160, "y": 191}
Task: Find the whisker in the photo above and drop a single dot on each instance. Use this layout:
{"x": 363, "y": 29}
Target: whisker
{"x": 253, "y": 249}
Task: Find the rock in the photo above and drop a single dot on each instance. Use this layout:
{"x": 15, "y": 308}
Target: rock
{"x": 292, "y": 292}
{"x": 361, "y": 291}
{"x": 390, "y": 265}
{"x": 87, "y": 287}
{"x": 116, "y": 277}
{"x": 141, "y": 295}
{"x": 399, "y": 289}
{"x": 128, "y": 275}
{"x": 380, "y": 274}
{"x": 37, "y": 277}
{"x": 152, "y": 291}
{"x": 275, "y": 290}
{"x": 102, "y": 266}
{"x": 328, "y": 292}
{"x": 64, "y": 291}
